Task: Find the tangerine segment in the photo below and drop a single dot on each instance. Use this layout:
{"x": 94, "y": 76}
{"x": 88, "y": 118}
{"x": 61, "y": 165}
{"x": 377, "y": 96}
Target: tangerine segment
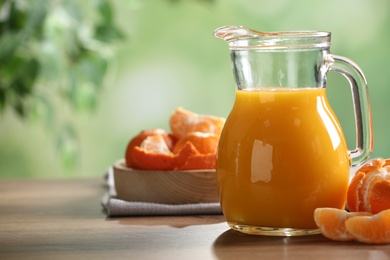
{"x": 370, "y": 229}
{"x": 200, "y": 162}
{"x": 187, "y": 151}
{"x": 374, "y": 164}
{"x": 353, "y": 196}
{"x": 380, "y": 196}
{"x": 183, "y": 122}
{"x": 204, "y": 142}
{"x": 331, "y": 222}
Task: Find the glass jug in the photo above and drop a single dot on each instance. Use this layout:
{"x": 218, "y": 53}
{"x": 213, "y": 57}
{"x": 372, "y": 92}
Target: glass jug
{"x": 282, "y": 152}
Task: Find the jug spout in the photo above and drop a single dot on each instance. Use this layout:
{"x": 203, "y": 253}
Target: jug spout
{"x": 229, "y": 33}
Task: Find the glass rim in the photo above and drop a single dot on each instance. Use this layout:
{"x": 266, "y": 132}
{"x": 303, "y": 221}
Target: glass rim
{"x": 239, "y": 37}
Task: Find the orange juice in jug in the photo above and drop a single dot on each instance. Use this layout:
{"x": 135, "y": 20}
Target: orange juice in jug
{"x": 281, "y": 155}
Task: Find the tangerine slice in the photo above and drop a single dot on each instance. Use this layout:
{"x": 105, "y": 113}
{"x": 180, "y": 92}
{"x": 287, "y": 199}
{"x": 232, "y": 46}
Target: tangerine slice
{"x": 204, "y": 142}
{"x": 183, "y": 122}
{"x": 370, "y": 229}
{"x": 331, "y": 222}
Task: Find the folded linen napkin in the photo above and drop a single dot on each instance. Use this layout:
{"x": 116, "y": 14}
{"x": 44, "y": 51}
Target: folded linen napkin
{"x": 115, "y": 207}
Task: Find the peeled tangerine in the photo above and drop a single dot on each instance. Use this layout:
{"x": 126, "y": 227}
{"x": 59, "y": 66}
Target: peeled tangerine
{"x": 153, "y": 154}
{"x": 183, "y": 122}
{"x": 369, "y": 189}
{"x": 140, "y": 137}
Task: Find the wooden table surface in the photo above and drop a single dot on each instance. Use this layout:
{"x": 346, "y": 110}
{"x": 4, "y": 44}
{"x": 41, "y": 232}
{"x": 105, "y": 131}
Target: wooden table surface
{"x": 47, "y": 219}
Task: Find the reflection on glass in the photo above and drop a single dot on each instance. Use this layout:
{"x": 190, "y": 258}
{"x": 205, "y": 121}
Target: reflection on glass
{"x": 261, "y": 163}
{"x": 330, "y": 126}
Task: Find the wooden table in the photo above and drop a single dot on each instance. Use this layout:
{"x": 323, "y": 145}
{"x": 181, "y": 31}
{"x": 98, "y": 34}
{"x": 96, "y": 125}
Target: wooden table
{"x": 42, "y": 219}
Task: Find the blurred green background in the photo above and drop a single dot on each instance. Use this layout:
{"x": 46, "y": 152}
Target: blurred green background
{"x": 130, "y": 63}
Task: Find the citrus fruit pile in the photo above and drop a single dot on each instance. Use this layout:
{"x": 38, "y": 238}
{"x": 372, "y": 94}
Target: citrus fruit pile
{"x": 368, "y": 200}
{"x": 191, "y": 144}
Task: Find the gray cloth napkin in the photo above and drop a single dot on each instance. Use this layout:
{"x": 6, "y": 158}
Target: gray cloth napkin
{"x": 115, "y": 207}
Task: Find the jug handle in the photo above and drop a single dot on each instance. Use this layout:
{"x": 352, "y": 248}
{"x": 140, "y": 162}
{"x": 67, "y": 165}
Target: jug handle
{"x": 363, "y": 122}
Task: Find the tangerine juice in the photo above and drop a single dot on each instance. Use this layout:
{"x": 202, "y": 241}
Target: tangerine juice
{"x": 281, "y": 154}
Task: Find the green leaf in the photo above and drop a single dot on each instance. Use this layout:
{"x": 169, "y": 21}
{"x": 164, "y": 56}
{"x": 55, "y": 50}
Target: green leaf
{"x": 41, "y": 110}
{"x": 2, "y": 99}
{"x": 36, "y": 18}
{"x": 19, "y": 108}
{"x": 9, "y": 42}
{"x": 107, "y": 33}
{"x": 10, "y": 70}
{"x": 105, "y": 10}
{"x": 84, "y": 97}
{"x": 82, "y": 93}
{"x": 24, "y": 83}
{"x": 68, "y": 146}
{"x": 14, "y": 19}
{"x": 105, "y": 30}
{"x": 93, "y": 68}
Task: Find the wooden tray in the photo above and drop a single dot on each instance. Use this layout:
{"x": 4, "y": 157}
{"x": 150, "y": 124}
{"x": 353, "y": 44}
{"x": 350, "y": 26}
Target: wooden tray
{"x": 168, "y": 187}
